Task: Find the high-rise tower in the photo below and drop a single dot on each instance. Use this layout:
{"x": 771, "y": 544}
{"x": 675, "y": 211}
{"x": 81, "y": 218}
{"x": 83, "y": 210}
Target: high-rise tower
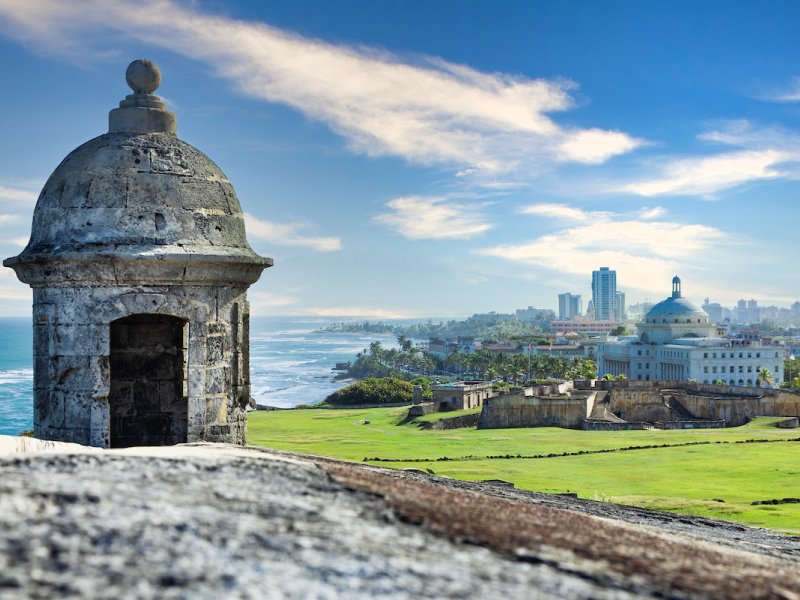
{"x": 604, "y": 294}
{"x": 569, "y": 305}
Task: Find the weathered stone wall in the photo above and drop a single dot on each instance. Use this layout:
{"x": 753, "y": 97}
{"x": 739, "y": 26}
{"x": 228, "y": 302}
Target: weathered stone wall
{"x": 72, "y": 378}
{"x": 458, "y": 422}
{"x": 598, "y": 425}
{"x": 738, "y": 411}
{"x": 518, "y": 410}
{"x": 417, "y": 410}
{"x": 639, "y": 405}
{"x": 714, "y": 424}
{"x": 734, "y": 405}
{"x": 666, "y": 404}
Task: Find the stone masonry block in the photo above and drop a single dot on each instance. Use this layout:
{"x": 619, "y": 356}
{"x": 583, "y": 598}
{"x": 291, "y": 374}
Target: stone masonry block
{"x": 196, "y": 381}
{"x": 44, "y": 312}
{"x": 217, "y": 381}
{"x": 80, "y": 340}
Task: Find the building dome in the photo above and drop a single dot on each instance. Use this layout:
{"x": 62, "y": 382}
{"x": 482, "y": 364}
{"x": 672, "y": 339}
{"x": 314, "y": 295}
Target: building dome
{"x": 676, "y": 308}
{"x": 138, "y": 193}
{"x": 673, "y": 318}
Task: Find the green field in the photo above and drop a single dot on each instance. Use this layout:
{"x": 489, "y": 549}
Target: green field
{"x": 700, "y": 472}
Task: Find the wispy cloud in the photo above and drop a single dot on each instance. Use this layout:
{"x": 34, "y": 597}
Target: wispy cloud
{"x": 556, "y": 211}
{"x": 266, "y": 302}
{"x": 289, "y": 234}
{"x": 16, "y": 194}
{"x": 708, "y": 175}
{"x": 433, "y": 217}
{"x": 789, "y": 92}
{"x": 752, "y": 153}
{"x": 357, "y": 312}
{"x": 425, "y": 109}
{"x": 644, "y": 253}
{"x": 655, "y": 212}
{"x": 11, "y": 290}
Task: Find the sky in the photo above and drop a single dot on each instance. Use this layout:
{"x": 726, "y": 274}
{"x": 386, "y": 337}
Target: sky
{"x": 419, "y": 159}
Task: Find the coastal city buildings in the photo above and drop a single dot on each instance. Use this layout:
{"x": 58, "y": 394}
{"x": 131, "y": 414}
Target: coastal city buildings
{"x": 674, "y": 339}
{"x": 583, "y": 325}
{"x": 569, "y": 305}
{"x": 604, "y": 294}
{"x": 677, "y": 341}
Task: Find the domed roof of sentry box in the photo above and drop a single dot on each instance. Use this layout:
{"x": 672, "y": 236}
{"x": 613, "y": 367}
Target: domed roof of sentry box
{"x": 138, "y": 203}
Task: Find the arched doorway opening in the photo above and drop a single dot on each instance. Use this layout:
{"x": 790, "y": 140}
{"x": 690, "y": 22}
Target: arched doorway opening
{"x": 148, "y": 399}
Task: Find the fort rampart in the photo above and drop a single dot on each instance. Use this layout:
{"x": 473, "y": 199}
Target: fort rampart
{"x": 632, "y": 404}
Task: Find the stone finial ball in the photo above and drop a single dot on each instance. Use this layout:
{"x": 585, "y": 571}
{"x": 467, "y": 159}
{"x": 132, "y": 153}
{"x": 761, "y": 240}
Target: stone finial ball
{"x": 143, "y": 76}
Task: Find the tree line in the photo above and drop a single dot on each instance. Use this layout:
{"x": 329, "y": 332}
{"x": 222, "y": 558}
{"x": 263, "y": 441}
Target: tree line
{"x": 377, "y": 361}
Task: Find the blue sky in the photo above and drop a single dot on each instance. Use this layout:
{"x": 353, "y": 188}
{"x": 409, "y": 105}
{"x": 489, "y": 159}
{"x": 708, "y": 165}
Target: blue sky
{"x": 444, "y": 158}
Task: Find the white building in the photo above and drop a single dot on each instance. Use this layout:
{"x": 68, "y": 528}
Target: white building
{"x": 676, "y": 341}
{"x": 569, "y": 306}
{"x": 604, "y": 294}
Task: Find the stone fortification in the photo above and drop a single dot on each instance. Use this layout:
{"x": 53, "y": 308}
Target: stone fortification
{"x": 639, "y": 405}
{"x": 519, "y": 410}
{"x": 139, "y": 266}
{"x": 738, "y": 411}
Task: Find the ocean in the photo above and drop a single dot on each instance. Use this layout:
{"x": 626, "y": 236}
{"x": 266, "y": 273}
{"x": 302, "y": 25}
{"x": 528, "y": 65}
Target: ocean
{"x": 290, "y": 364}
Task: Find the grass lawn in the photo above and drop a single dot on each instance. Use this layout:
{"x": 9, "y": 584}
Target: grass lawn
{"x": 688, "y": 479}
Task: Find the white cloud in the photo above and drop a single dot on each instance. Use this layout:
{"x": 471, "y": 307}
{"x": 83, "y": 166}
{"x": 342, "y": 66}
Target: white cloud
{"x": 288, "y": 234}
{"x": 786, "y": 93}
{"x": 556, "y": 211}
{"x": 754, "y": 153}
{"x": 433, "y": 217}
{"x": 358, "y": 312}
{"x": 12, "y": 290}
{"x": 15, "y": 194}
{"x": 645, "y": 254}
{"x": 647, "y": 214}
{"x": 710, "y": 174}
{"x": 427, "y": 110}
{"x": 594, "y": 146}
{"x": 266, "y": 301}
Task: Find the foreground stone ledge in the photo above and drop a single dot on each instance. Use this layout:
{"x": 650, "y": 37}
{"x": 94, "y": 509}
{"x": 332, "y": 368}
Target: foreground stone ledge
{"x": 207, "y": 520}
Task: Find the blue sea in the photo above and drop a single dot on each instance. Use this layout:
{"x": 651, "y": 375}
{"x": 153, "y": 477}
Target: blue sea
{"x": 290, "y": 364}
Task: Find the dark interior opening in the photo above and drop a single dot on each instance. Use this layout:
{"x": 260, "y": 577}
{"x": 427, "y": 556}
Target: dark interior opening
{"x": 148, "y": 398}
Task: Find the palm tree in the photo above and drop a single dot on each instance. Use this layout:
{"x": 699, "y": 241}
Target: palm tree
{"x": 376, "y": 350}
{"x": 405, "y": 344}
{"x": 764, "y": 376}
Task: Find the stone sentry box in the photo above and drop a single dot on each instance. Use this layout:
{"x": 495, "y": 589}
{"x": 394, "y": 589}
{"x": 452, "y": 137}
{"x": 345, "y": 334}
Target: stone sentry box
{"x": 139, "y": 266}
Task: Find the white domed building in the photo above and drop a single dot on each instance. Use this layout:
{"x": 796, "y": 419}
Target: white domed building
{"x": 676, "y": 341}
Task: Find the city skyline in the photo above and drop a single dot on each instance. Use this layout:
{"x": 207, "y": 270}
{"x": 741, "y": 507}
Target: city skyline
{"x": 401, "y": 159}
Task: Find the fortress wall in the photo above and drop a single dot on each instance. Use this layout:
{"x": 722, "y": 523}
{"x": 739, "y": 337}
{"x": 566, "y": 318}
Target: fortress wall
{"x": 597, "y": 425}
{"x": 643, "y": 402}
{"x": 518, "y": 410}
{"x": 639, "y": 405}
{"x": 738, "y": 411}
